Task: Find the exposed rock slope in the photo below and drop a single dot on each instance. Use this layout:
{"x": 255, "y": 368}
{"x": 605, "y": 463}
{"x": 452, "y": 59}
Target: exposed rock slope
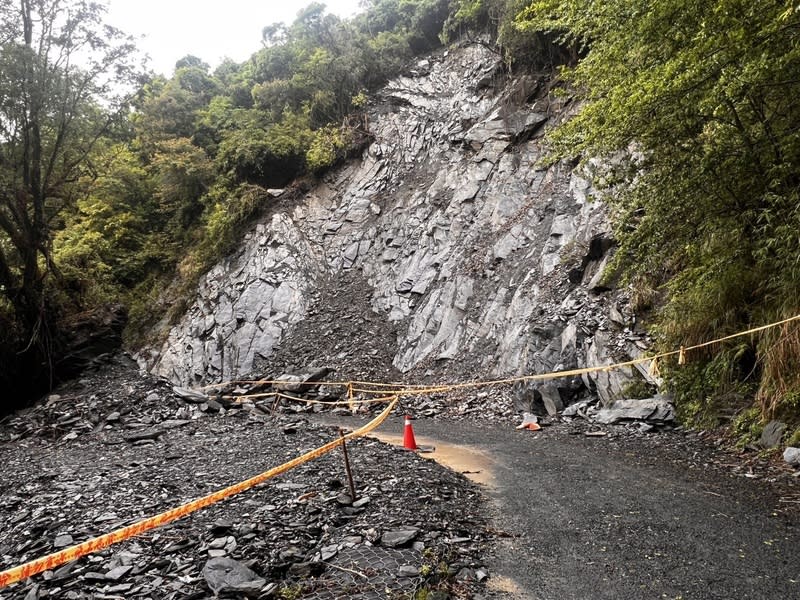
{"x": 445, "y": 249}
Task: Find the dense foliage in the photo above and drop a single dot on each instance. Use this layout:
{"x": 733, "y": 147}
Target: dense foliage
{"x": 521, "y": 48}
{"x": 63, "y": 82}
{"x": 697, "y": 105}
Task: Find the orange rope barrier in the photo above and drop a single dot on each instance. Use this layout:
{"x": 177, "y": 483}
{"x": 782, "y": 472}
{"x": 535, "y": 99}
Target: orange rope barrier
{"x": 74, "y": 552}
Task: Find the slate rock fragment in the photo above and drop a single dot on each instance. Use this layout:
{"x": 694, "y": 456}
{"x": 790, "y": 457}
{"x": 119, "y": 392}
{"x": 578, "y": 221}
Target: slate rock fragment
{"x": 304, "y": 570}
{"x": 118, "y": 573}
{"x": 772, "y": 434}
{"x": 657, "y": 409}
{"x": 143, "y": 434}
{"x": 62, "y": 541}
{"x": 398, "y": 537}
{"x": 792, "y": 456}
{"x": 225, "y": 575}
{"x": 190, "y": 395}
{"x": 408, "y": 571}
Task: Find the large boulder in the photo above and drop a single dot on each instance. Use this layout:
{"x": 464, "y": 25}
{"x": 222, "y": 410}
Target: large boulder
{"x": 658, "y": 409}
{"x": 772, "y": 434}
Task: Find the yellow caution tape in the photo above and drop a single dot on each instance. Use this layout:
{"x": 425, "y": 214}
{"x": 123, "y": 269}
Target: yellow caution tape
{"x": 349, "y": 403}
{"x": 309, "y": 401}
{"x": 418, "y": 390}
{"x": 350, "y": 399}
{"x": 391, "y": 389}
{"x": 74, "y": 552}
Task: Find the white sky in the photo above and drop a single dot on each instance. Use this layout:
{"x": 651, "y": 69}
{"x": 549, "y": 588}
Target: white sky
{"x": 209, "y": 29}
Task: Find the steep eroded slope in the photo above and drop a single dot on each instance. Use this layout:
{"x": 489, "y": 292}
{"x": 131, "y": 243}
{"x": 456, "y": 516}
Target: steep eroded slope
{"x": 462, "y": 256}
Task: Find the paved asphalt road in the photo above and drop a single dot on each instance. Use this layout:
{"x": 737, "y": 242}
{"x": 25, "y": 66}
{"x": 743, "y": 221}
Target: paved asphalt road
{"x": 623, "y": 518}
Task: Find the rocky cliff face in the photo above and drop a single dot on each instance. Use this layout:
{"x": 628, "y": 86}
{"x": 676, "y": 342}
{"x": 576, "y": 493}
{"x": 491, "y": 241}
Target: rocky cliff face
{"x": 445, "y": 252}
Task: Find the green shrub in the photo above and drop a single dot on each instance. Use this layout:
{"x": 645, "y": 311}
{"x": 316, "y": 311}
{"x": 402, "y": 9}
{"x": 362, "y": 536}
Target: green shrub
{"x": 328, "y": 146}
{"x": 709, "y": 391}
{"x": 747, "y": 426}
{"x": 794, "y": 439}
{"x": 638, "y": 389}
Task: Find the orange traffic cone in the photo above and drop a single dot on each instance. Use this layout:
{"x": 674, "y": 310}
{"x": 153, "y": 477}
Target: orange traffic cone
{"x": 409, "y": 443}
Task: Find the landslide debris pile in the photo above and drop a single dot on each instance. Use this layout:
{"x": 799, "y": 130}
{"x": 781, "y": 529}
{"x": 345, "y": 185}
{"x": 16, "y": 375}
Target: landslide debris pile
{"x": 115, "y": 447}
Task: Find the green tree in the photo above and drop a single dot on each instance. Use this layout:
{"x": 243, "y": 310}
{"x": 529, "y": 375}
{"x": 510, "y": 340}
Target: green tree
{"x": 99, "y": 251}
{"x": 328, "y": 146}
{"x": 170, "y": 108}
{"x": 702, "y": 99}
{"x": 264, "y": 153}
{"x": 420, "y": 21}
{"x": 183, "y": 174}
{"x": 65, "y": 78}
{"x": 496, "y": 20}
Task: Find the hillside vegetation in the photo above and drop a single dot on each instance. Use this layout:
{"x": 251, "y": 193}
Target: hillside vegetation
{"x": 702, "y": 101}
{"x": 109, "y": 197}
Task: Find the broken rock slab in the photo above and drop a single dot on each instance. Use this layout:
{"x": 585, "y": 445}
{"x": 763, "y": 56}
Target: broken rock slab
{"x": 190, "y": 395}
{"x": 225, "y": 575}
{"x": 792, "y": 456}
{"x": 657, "y": 409}
{"x": 772, "y": 434}
{"x": 398, "y": 538}
{"x": 551, "y": 398}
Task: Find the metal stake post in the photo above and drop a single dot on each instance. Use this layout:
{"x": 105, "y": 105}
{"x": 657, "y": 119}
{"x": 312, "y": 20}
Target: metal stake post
{"x": 347, "y": 466}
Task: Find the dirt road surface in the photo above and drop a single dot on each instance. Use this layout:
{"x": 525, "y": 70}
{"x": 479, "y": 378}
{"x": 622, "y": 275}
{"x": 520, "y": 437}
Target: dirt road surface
{"x": 661, "y": 516}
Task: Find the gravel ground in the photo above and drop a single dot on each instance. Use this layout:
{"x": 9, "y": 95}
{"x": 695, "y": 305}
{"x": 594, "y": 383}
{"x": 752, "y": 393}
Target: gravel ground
{"x": 114, "y": 447}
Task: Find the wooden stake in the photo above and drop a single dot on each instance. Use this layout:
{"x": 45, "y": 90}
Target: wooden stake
{"x": 347, "y": 466}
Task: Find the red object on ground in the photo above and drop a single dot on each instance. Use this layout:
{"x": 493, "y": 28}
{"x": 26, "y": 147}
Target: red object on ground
{"x": 409, "y": 443}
